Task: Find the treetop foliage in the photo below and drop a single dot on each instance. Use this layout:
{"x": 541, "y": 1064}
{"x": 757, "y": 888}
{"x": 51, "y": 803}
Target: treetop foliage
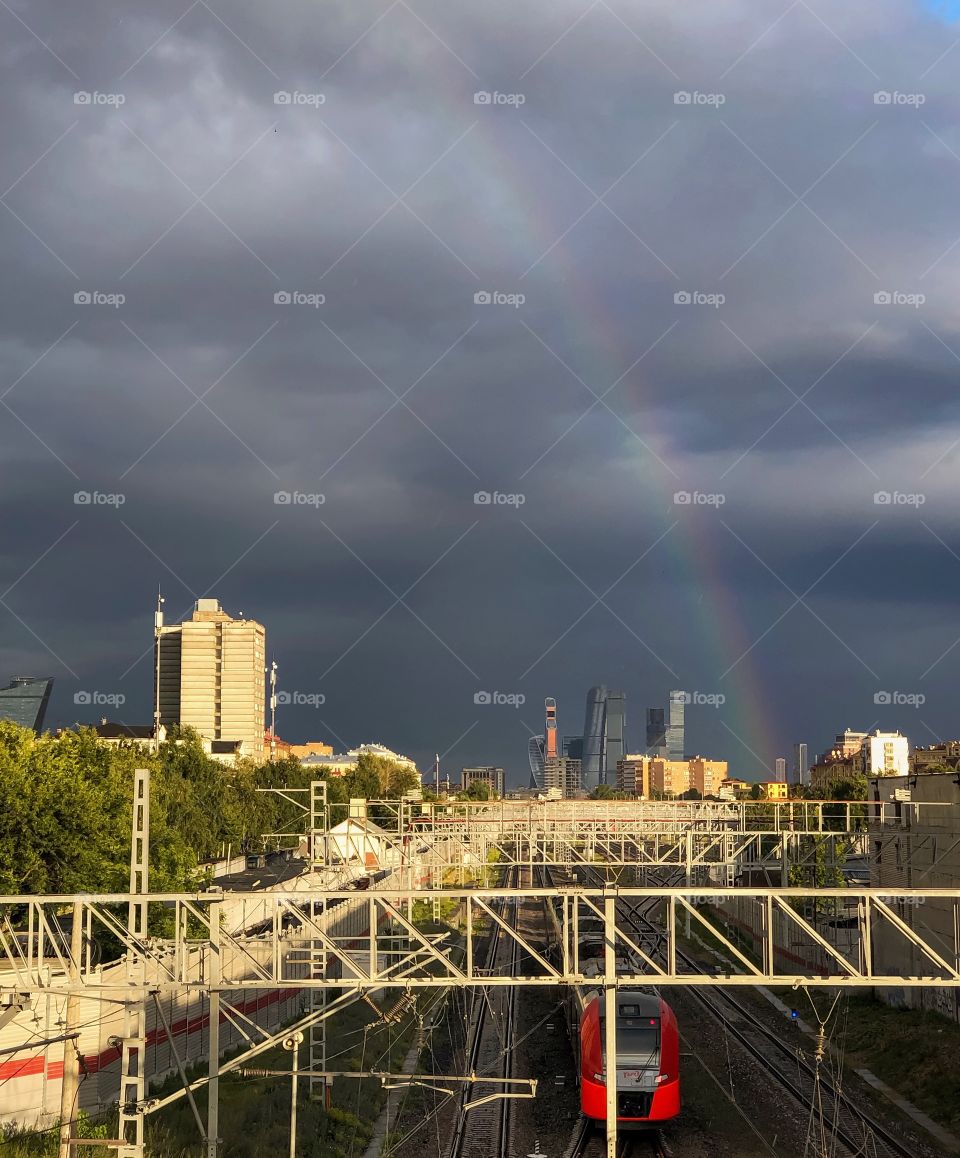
{"x": 66, "y": 807}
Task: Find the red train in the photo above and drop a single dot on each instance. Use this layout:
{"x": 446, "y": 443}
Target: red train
{"x": 648, "y": 1056}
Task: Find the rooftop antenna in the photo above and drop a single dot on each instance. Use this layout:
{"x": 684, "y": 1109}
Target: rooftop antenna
{"x": 273, "y": 710}
{"x": 157, "y": 632}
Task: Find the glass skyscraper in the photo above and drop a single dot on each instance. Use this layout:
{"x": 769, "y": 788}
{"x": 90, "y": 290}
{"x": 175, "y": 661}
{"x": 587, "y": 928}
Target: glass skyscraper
{"x": 614, "y": 730}
{"x": 594, "y": 726}
{"x": 675, "y": 739}
{"x": 604, "y": 736}
{"x": 24, "y": 701}
{"x": 656, "y": 732}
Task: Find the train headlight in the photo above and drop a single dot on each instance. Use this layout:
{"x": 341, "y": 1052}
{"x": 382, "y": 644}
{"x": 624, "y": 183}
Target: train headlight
{"x": 598, "y": 1077}
{"x": 661, "y": 1078}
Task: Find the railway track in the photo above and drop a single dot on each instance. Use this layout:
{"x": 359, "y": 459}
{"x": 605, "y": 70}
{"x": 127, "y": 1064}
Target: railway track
{"x": 589, "y": 1141}
{"x": 486, "y": 1129}
{"x": 840, "y": 1120}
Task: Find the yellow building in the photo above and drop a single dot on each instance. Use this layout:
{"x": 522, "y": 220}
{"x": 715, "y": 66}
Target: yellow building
{"x": 776, "y": 789}
{"x": 645, "y": 775}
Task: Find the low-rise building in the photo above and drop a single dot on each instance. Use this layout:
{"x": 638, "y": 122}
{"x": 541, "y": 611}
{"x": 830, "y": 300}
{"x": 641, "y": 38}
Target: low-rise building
{"x": 732, "y": 788}
{"x": 488, "y": 775}
{"x": 936, "y": 756}
{"x": 776, "y": 789}
{"x": 337, "y": 765}
{"x": 311, "y": 748}
{"x": 862, "y": 754}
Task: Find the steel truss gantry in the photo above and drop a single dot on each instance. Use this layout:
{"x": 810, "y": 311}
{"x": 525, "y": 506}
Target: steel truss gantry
{"x": 394, "y": 953}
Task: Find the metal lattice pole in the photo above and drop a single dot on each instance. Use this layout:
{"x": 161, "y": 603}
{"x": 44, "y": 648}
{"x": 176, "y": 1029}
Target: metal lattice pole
{"x": 132, "y": 1054}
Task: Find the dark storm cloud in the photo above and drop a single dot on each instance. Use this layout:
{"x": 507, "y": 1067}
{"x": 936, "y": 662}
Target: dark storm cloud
{"x": 398, "y": 198}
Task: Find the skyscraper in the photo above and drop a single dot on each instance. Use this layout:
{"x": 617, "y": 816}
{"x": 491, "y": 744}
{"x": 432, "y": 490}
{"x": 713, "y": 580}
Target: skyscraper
{"x": 24, "y": 701}
{"x": 675, "y": 737}
{"x": 535, "y": 756}
{"x": 572, "y": 747}
{"x": 656, "y": 732}
{"x": 615, "y": 723}
{"x": 801, "y": 766}
{"x": 210, "y": 676}
{"x": 781, "y": 773}
{"x": 594, "y": 725}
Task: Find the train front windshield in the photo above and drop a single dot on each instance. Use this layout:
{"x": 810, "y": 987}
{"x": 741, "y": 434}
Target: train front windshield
{"x": 638, "y": 1043}
{"x": 639, "y": 1047}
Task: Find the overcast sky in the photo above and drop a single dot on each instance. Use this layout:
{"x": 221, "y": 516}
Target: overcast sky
{"x": 716, "y": 248}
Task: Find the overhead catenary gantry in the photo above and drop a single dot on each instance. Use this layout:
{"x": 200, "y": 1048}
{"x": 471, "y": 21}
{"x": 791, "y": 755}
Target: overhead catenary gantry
{"x": 278, "y": 953}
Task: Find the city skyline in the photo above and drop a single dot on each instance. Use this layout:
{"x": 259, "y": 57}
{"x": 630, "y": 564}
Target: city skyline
{"x": 471, "y": 368}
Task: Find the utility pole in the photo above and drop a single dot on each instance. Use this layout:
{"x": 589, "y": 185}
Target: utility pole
{"x": 70, "y": 1088}
{"x": 293, "y": 1043}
